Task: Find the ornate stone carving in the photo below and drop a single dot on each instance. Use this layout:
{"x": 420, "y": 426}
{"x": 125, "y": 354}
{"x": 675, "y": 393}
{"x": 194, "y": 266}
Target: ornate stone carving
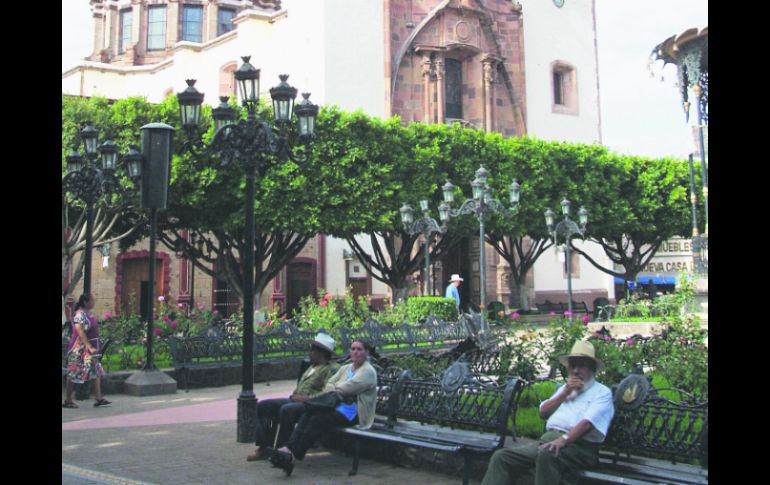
{"x": 427, "y": 65}
{"x": 462, "y": 31}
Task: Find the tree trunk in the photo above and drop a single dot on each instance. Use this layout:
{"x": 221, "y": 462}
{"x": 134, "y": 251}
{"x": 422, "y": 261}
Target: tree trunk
{"x": 399, "y": 293}
{"x": 524, "y": 297}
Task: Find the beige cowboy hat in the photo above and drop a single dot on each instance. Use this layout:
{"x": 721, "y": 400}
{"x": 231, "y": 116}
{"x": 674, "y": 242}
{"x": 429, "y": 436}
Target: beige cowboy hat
{"x": 583, "y": 348}
{"x": 456, "y": 277}
{"x": 324, "y": 341}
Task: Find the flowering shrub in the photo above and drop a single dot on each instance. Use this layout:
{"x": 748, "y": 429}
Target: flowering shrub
{"x": 520, "y": 355}
{"x": 327, "y": 312}
{"x": 620, "y": 358}
{"x": 127, "y": 333}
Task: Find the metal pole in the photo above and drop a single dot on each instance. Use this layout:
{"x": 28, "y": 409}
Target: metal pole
{"x": 482, "y": 273}
{"x": 569, "y": 277}
{"x": 427, "y": 264}
{"x": 698, "y": 91}
{"x": 149, "y": 365}
{"x": 89, "y": 248}
{"x": 693, "y": 199}
{"x": 247, "y": 402}
{"x": 192, "y": 288}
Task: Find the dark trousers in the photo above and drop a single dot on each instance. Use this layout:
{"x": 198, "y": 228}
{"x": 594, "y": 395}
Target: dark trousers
{"x": 510, "y": 463}
{"x": 271, "y": 413}
{"x": 312, "y": 426}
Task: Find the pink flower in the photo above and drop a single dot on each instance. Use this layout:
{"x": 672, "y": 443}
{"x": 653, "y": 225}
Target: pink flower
{"x": 568, "y": 314}
{"x": 607, "y": 338}
{"x": 552, "y": 314}
{"x": 324, "y": 303}
{"x": 629, "y": 342}
{"x": 180, "y": 305}
{"x": 515, "y": 315}
{"x": 328, "y": 296}
{"x": 586, "y": 319}
{"x": 161, "y": 298}
{"x": 107, "y": 315}
{"x": 173, "y": 324}
{"x": 269, "y": 323}
{"x": 215, "y": 312}
{"x": 283, "y": 317}
{"x": 157, "y": 330}
{"x": 260, "y": 323}
{"x": 166, "y": 319}
{"x": 201, "y": 307}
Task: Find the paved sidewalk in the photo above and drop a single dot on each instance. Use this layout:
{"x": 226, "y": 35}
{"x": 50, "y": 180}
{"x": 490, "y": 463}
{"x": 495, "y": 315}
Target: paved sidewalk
{"x": 190, "y": 438}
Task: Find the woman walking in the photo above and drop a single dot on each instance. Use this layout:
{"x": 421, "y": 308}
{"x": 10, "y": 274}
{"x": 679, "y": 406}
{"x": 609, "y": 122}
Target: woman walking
{"x": 82, "y": 362}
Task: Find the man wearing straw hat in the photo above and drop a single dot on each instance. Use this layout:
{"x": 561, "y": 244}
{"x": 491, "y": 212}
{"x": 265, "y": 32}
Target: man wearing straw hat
{"x": 276, "y": 418}
{"x": 451, "y": 289}
{"x": 578, "y": 414}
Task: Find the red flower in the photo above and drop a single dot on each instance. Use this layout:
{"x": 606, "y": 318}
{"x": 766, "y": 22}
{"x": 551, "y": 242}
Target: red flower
{"x": 324, "y": 303}
{"x": 328, "y": 296}
{"x": 157, "y": 330}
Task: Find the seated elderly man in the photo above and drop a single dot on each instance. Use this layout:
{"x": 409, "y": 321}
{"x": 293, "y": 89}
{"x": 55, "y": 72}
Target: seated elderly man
{"x": 579, "y": 415}
{"x": 279, "y": 416}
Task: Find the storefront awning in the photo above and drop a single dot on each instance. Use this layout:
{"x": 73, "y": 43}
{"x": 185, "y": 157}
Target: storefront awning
{"x": 645, "y": 280}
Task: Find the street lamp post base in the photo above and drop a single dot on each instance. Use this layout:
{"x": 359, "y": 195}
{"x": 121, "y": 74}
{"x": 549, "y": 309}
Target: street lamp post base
{"x": 149, "y": 383}
{"x": 247, "y": 417}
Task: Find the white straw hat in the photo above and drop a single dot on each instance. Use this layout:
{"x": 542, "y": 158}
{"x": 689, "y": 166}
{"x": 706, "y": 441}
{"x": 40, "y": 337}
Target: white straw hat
{"x": 456, "y": 277}
{"x": 582, "y": 348}
{"x": 324, "y": 341}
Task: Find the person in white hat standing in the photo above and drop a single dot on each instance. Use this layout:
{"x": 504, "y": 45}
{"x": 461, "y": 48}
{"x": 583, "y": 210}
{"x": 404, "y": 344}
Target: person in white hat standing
{"x": 451, "y": 290}
{"x": 579, "y": 414}
{"x": 276, "y": 418}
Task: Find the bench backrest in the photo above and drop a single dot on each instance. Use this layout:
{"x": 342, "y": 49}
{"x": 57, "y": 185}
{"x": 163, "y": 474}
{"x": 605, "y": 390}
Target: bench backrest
{"x": 483, "y": 407}
{"x": 665, "y": 423}
{"x": 287, "y": 341}
{"x": 186, "y": 350}
{"x": 432, "y": 334}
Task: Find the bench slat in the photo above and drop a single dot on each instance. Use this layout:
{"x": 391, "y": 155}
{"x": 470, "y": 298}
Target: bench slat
{"x": 654, "y": 474}
{"x": 388, "y": 435}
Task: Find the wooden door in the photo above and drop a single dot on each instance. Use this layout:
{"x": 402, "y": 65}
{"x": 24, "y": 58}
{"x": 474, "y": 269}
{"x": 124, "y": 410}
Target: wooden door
{"x": 300, "y": 282}
{"x": 136, "y": 283}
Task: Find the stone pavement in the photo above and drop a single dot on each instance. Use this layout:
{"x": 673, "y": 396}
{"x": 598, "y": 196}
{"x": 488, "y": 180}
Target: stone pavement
{"x": 190, "y": 438}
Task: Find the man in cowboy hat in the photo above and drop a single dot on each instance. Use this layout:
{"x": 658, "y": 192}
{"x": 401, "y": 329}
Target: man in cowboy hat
{"x": 279, "y": 416}
{"x": 451, "y": 290}
{"x": 578, "y": 414}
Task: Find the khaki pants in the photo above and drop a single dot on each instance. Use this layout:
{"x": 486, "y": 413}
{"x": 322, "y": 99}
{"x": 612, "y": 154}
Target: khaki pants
{"x": 508, "y": 464}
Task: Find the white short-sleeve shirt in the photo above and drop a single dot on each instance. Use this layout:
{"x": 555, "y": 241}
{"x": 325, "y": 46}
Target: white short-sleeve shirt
{"x": 593, "y": 404}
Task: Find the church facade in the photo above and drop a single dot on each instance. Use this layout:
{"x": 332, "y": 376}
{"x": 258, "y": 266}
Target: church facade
{"x": 526, "y": 67}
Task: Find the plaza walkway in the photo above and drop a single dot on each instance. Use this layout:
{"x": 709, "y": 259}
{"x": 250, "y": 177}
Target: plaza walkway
{"x": 189, "y": 438}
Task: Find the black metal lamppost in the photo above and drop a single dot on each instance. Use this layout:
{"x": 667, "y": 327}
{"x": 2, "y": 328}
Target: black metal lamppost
{"x": 689, "y": 52}
{"x": 480, "y": 206}
{"x": 425, "y": 225}
{"x": 567, "y": 229}
{"x": 155, "y": 160}
{"x": 88, "y": 182}
{"x": 253, "y": 143}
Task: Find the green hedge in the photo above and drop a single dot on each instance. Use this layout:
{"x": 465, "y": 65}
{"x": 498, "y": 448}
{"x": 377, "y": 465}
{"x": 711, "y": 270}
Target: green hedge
{"x": 421, "y": 307}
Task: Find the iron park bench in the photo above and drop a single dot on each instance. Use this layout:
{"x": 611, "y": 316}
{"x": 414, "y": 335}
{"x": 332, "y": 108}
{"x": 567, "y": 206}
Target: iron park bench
{"x": 214, "y": 349}
{"x": 459, "y": 413}
{"x": 653, "y": 439}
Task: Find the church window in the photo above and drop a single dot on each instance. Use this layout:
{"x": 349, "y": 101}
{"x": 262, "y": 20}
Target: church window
{"x": 564, "y": 84}
{"x": 156, "y": 29}
{"x": 126, "y": 19}
{"x": 225, "y": 20}
{"x": 454, "y": 89}
{"x": 192, "y": 23}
